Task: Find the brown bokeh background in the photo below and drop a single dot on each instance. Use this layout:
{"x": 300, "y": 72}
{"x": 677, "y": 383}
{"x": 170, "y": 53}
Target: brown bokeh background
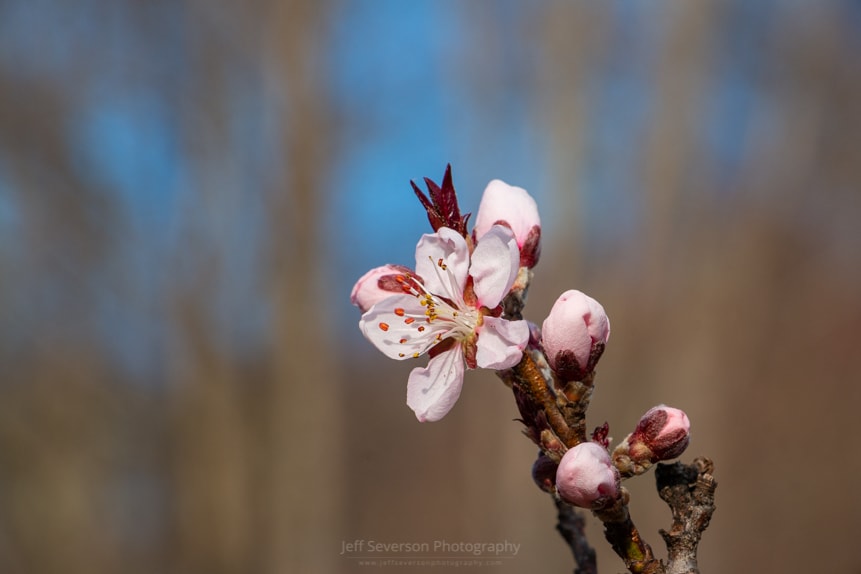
{"x": 733, "y": 293}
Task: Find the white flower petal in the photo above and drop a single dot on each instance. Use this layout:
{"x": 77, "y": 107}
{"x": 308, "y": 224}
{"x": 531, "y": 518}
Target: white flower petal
{"x": 433, "y": 390}
{"x": 500, "y": 343}
{"x": 448, "y": 247}
{"x": 495, "y": 262}
{"x": 397, "y": 326}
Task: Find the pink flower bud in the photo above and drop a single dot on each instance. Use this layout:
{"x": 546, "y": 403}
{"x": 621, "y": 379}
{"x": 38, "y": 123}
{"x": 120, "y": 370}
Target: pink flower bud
{"x": 574, "y": 335}
{"x": 586, "y": 475}
{"x": 513, "y": 207}
{"x": 378, "y": 284}
{"x": 665, "y": 431}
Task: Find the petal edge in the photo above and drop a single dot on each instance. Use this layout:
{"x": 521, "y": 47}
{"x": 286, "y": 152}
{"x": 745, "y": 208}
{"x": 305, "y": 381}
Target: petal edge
{"x": 433, "y": 390}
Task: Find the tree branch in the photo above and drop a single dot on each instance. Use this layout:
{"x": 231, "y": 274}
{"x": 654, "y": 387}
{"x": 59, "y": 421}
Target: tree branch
{"x": 623, "y": 536}
{"x": 689, "y": 491}
{"x": 571, "y": 527}
{"x": 553, "y": 412}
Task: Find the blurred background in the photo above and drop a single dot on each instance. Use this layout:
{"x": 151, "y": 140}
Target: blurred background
{"x": 189, "y": 189}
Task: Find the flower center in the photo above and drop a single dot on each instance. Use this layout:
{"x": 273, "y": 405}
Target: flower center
{"x": 463, "y": 320}
{"x": 447, "y": 311}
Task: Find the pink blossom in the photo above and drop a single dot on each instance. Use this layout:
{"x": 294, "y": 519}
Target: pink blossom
{"x": 376, "y": 285}
{"x": 451, "y": 311}
{"x": 513, "y": 207}
{"x": 586, "y": 475}
{"x": 574, "y": 334}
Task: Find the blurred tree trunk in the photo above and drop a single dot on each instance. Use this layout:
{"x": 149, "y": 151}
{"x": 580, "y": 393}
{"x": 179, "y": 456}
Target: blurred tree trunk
{"x": 672, "y": 152}
{"x": 210, "y": 436}
{"x": 304, "y": 475}
{"x": 572, "y": 43}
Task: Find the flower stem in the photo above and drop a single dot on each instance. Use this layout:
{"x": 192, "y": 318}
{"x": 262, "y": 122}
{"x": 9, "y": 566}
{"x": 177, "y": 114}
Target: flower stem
{"x": 535, "y": 387}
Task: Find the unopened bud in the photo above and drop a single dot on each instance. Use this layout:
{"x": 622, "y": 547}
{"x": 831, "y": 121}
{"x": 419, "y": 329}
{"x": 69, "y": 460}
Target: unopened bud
{"x": 664, "y": 430}
{"x": 378, "y": 284}
{"x": 574, "y": 335}
{"x": 513, "y": 207}
{"x": 663, "y": 433}
{"x": 586, "y": 476}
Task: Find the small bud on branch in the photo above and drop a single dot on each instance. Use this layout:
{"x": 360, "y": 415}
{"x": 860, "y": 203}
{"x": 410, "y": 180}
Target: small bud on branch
{"x": 586, "y": 476}
{"x": 574, "y": 335}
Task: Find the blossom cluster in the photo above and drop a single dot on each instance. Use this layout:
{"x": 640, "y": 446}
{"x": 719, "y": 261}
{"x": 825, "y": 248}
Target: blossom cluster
{"x": 451, "y": 306}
